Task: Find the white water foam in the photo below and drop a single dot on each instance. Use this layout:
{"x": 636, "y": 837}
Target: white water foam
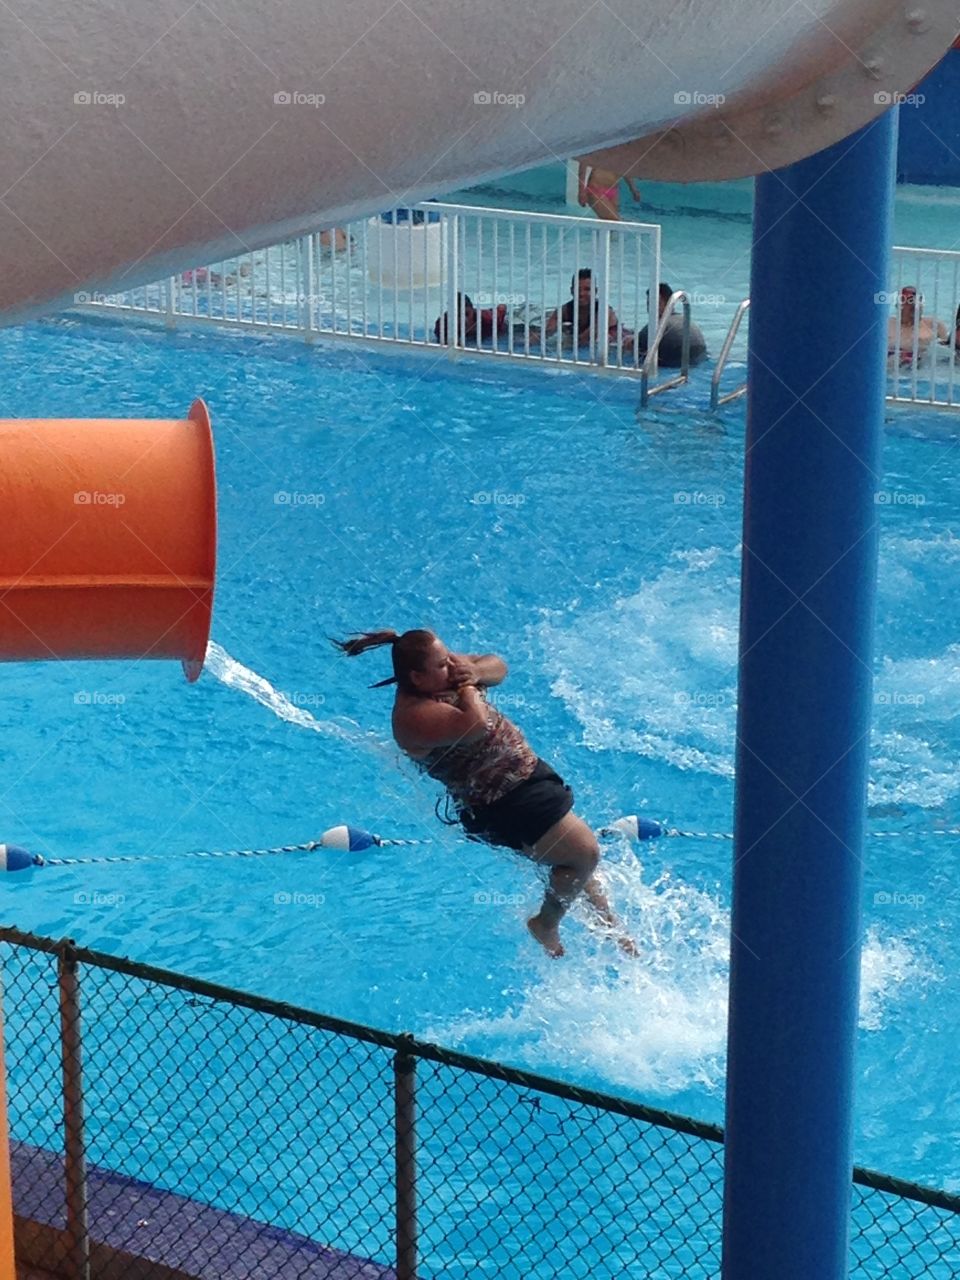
{"x": 236, "y": 676}
{"x": 915, "y": 699}
{"x": 888, "y": 966}
{"x": 402, "y": 788}
{"x": 906, "y": 566}
{"x": 920, "y": 689}
{"x": 655, "y": 674}
{"x": 658, "y": 1024}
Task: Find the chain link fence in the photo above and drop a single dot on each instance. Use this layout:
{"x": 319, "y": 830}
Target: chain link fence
{"x": 166, "y": 1128}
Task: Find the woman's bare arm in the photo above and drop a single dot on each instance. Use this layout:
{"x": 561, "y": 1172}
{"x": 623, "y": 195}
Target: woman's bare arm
{"x": 488, "y": 668}
{"x": 426, "y": 723}
{"x": 484, "y": 669}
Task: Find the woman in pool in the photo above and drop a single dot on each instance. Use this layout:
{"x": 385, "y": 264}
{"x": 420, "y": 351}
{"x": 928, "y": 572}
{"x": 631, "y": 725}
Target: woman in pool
{"x": 600, "y": 189}
{"x": 913, "y": 329}
{"x": 504, "y": 794}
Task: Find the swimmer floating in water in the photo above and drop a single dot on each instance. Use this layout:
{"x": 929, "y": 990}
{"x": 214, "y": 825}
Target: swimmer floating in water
{"x": 504, "y": 794}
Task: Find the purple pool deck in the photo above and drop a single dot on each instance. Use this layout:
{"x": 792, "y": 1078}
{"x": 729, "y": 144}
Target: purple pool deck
{"x": 179, "y": 1234}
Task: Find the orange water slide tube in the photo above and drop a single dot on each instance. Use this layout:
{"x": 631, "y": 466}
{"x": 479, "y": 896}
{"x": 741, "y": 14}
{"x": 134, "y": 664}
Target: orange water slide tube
{"x": 109, "y": 538}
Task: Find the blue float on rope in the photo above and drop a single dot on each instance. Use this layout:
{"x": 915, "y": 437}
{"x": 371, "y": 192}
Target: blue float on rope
{"x": 350, "y": 839}
{"x": 13, "y": 858}
{"x": 636, "y": 828}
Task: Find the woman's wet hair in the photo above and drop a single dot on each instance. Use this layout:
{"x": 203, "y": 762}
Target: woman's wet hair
{"x": 409, "y": 652}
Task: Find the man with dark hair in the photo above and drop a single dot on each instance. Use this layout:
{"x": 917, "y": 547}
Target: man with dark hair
{"x": 670, "y": 351}
{"x": 584, "y": 307}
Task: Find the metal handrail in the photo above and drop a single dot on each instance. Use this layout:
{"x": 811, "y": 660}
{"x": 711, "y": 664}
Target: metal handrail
{"x": 716, "y": 400}
{"x": 650, "y": 360}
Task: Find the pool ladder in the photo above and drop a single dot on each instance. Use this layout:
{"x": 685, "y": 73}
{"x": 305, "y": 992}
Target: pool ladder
{"x": 650, "y": 360}
{"x": 649, "y": 363}
{"x": 716, "y": 399}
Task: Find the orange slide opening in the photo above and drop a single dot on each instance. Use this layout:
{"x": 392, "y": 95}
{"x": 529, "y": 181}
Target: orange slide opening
{"x": 109, "y": 538}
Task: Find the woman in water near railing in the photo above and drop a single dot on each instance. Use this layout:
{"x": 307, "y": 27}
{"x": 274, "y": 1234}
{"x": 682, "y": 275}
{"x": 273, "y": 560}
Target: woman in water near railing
{"x": 913, "y": 329}
{"x": 503, "y": 793}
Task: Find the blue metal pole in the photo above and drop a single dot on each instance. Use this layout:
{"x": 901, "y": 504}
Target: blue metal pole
{"x": 821, "y": 242}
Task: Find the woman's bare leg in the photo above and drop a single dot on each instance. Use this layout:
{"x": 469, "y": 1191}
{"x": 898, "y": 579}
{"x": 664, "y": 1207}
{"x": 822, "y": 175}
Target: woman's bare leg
{"x": 594, "y": 893}
{"x": 571, "y": 851}
{"x": 604, "y": 207}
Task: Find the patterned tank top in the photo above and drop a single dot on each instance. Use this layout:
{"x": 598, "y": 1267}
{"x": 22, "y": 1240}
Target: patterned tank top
{"x": 481, "y": 772}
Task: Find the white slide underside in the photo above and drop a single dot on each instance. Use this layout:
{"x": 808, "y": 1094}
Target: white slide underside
{"x": 142, "y": 137}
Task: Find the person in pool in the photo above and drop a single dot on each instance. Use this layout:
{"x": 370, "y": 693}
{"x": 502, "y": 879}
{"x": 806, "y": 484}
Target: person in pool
{"x": 503, "y": 792}
{"x": 477, "y": 326}
{"x": 583, "y": 292}
{"x": 670, "y": 351}
{"x": 912, "y": 326}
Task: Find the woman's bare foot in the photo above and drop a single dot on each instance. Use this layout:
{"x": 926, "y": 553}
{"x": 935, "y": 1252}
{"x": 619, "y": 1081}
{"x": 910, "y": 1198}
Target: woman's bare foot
{"x": 548, "y": 935}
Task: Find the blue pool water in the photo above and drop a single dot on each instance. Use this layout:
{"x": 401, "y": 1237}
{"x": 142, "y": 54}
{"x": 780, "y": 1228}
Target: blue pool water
{"x": 532, "y": 515}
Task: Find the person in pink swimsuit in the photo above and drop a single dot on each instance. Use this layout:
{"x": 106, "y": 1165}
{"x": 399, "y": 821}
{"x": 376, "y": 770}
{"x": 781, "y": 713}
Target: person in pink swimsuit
{"x": 600, "y": 189}
{"x": 503, "y": 793}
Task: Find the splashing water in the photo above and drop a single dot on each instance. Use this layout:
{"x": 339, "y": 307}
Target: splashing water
{"x": 625, "y": 671}
{"x": 655, "y": 1026}
{"x": 889, "y": 966}
{"x": 654, "y": 675}
{"x": 236, "y": 676}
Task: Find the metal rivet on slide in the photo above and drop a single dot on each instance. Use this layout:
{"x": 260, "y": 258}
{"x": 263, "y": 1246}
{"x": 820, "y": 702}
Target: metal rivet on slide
{"x": 826, "y": 103}
{"x": 872, "y": 67}
{"x": 773, "y": 125}
{"x": 917, "y": 21}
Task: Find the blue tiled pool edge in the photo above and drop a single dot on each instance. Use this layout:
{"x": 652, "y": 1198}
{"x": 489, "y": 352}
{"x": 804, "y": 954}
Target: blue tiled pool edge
{"x": 182, "y": 1236}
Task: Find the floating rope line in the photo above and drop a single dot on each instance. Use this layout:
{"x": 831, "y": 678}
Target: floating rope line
{"x": 698, "y": 835}
{"x": 329, "y": 840}
{"x": 356, "y": 840}
{"x": 192, "y": 853}
{"x": 869, "y": 835}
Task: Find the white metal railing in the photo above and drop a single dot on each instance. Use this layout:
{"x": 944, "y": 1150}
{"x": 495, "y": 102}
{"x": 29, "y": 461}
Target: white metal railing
{"x": 716, "y": 400}
{"x": 504, "y": 284}
{"x": 555, "y": 289}
{"x": 650, "y": 359}
{"x": 923, "y": 333}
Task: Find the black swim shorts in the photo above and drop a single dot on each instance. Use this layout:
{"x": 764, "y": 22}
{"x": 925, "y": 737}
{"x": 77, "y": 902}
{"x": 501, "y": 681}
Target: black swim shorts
{"x": 523, "y": 815}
